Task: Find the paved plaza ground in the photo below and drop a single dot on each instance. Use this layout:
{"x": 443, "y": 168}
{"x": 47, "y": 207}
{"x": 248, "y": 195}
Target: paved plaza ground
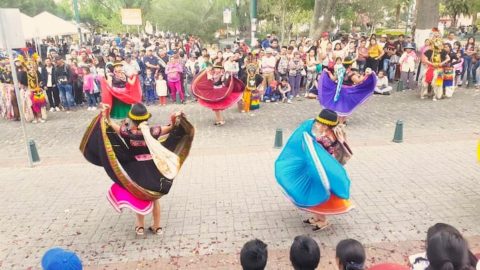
{"x": 226, "y": 193}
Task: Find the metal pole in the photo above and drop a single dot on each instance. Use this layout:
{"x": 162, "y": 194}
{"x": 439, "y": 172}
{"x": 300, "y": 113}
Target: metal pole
{"x": 408, "y": 18}
{"x": 253, "y": 18}
{"x": 17, "y": 91}
{"x": 77, "y": 19}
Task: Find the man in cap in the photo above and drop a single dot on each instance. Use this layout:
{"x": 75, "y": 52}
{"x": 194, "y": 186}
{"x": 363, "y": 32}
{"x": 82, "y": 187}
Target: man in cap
{"x": 266, "y": 42}
{"x": 151, "y": 61}
{"x": 268, "y": 67}
{"x": 130, "y": 66}
{"x": 64, "y": 84}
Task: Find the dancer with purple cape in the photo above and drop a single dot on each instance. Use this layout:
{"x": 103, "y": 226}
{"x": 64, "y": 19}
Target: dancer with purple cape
{"x": 344, "y": 90}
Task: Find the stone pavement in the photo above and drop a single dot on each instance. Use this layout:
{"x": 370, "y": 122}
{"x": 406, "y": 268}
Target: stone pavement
{"x": 226, "y": 193}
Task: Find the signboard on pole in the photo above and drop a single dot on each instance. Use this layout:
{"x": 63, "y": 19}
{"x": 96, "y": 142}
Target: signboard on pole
{"x": 227, "y": 16}
{"x": 10, "y": 18}
{"x": 131, "y": 16}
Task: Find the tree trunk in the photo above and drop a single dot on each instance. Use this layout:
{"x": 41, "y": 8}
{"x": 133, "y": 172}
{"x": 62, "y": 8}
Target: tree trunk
{"x": 283, "y": 22}
{"x": 326, "y": 9}
{"x": 427, "y": 17}
{"x": 317, "y": 13}
{"x": 398, "y": 9}
{"x": 327, "y": 15}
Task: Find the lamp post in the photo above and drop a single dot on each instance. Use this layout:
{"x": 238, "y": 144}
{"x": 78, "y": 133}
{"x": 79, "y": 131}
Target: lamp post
{"x": 77, "y": 19}
{"x": 253, "y": 19}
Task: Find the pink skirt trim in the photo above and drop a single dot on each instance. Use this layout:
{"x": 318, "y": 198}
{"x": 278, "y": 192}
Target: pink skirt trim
{"x": 120, "y": 198}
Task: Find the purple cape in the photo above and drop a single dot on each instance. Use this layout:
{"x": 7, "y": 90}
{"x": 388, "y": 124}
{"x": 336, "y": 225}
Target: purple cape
{"x": 350, "y": 96}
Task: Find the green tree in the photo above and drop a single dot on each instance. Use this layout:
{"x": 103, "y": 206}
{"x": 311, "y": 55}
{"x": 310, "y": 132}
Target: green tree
{"x": 455, "y": 8}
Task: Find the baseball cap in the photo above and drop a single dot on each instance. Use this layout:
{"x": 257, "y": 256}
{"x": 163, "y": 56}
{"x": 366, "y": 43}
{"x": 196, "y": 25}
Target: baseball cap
{"x": 61, "y": 259}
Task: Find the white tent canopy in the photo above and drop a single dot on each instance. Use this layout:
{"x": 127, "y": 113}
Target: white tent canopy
{"x": 28, "y": 26}
{"x": 46, "y": 24}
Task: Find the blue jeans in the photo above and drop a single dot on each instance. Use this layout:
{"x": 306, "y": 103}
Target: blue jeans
{"x": 150, "y": 94}
{"x": 66, "y": 95}
{"x": 467, "y": 68}
{"x": 295, "y": 84}
{"x": 475, "y": 73}
{"x": 361, "y": 65}
{"x": 92, "y": 100}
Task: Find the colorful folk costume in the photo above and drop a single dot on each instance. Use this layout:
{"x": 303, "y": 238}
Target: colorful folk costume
{"x": 309, "y": 169}
{"x": 433, "y": 80}
{"x": 37, "y": 101}
{"x": 216, "y": 92}
{"x": 139, "y": 159}
{"x": 251, "y": 95}
{"x": 342, "y": 96}
{"x": 213, "y": 92}
{"x": 120, "y": 92}
{"x": 8, "y": 99}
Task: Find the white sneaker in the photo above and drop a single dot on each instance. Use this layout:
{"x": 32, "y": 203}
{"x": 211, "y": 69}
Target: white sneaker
{"x": 289, "y": 101}
{"x": 57, "y": 109}
{"x": 94, "y": 108}
{"x": 34, "y": 121}
{"x": 434, "y": 99}
{"x": 52, "y": 109}
{"x": 42, "y": 121}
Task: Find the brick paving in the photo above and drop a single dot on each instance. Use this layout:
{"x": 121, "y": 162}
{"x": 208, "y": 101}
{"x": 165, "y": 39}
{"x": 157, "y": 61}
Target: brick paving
{"x": 226, "y": 193}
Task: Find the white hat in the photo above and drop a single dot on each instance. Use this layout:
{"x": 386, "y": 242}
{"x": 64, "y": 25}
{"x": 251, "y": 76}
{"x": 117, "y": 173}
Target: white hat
{"x": 269, "y": 50}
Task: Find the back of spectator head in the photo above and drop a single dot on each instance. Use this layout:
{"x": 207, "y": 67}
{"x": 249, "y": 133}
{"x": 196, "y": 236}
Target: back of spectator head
{"x": 350, "y": 255}
{"x": 304, "y": 253}
{"x": 253, "y": 255}
{"x": 447, "y": 251}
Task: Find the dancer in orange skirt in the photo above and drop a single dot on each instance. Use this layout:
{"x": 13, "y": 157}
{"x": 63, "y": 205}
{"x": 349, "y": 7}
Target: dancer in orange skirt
{"x": 310, "y": 169}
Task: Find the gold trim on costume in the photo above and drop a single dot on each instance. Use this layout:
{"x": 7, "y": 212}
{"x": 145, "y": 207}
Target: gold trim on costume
{"x": 348, "y": 62}
{"x": 326, "y": 122}
{"x": 138, "y": 117}
{"x": 128, "y": 183}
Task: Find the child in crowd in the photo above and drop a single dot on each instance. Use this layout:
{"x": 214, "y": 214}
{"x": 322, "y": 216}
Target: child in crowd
{"x": 89, "y": 88}
{"x": 271, "y": 93}
{"x": 382, "y": 87}
{"x": 458, "y": 67}
{"x": 304, "y": 253}
{"x": 350, "y": 255}
{"x": 149, "y": 86}
{"x": 161, "y": 88}
{"x": 408, "y": 62}
{"x": 254, "y": 255}
{"x": 284, "y": 88}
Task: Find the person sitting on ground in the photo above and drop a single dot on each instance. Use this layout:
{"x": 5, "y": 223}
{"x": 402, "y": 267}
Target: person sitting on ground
{"x": 284, "y": 88}
{"x": 304, "y": 253}
{"x": 60, "y": 259}
{"x": 254, "y": 255}
{"x": 350, "y": 255}
{"x": 382, "y": 87}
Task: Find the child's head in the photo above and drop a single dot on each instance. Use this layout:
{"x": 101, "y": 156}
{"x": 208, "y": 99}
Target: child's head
{"x": 86, "y": 70}
{"x": 304, "y": 253}
{"x": 253, "y": 255}
{"x": 58, "y": 258}
{"x": 381, "y": 73}
{"x": 350, "y": 255}
{"x": 338, "y": 61}
{"x": 159, "y": 76}
{"x": 149, "y": 72}
{"x": 284, "y": 81}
